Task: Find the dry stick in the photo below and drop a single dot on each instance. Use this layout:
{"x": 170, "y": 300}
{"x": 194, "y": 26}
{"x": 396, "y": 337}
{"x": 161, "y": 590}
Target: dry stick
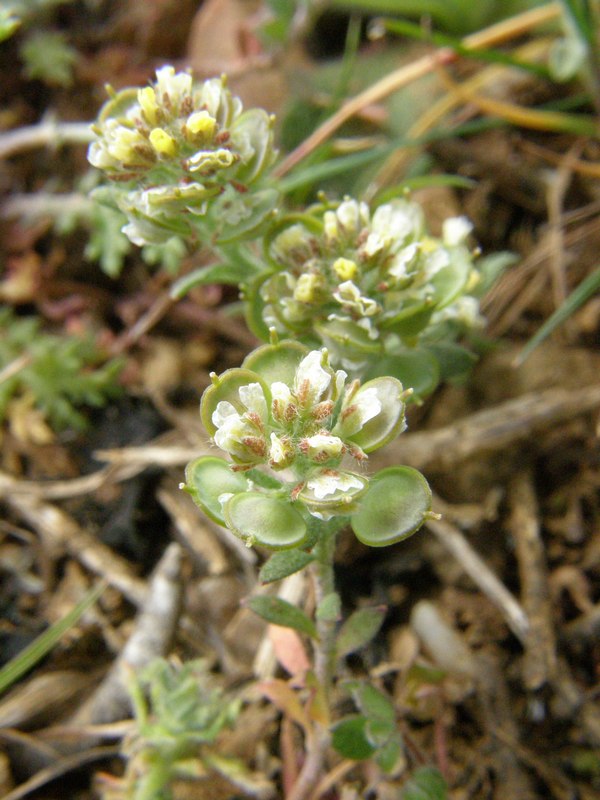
{"x": 455, "y": 96}
{"x": 152, "y": 636}
{"x": 63, "y": 767}
{"x": 539, "y": 661}
{"x": 59, "y": 531}
{"x": 492, "y": 429}
{"x": 49, "y": 132}
{"x": 146, "y": 322}
{"x": 495, "y": 34}
{"x": 504, "y": 304}
{"x": 452, "y": 540}
{"x": 45, "y": 204}
{"x": 555, "y": 196}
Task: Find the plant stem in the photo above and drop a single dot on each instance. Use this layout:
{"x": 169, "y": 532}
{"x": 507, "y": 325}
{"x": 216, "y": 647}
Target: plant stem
{"x": 324, "y": 655}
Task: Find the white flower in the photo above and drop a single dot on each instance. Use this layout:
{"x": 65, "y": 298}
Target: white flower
{"x": 277, "y": 453}
{"x": 400, "y": 263}
{"x": 231, "y": 428}
{"x": 330, "y": 227}
{"x": 348, "y": 295}
{"x": 311, "y": 380}
{"x": 280, "y": 392}
{"x": 253, "y": 397}
{"x": 455, "y": 230}
{"x": 326, "y": 443}
{"x": 352, "y": 215}
{"x": 435, "y": 261}
{"x": 396, "y": 221}
{"x": 329, "y": 482}
{"x": 210, "y": 159}
{"x": 175, "y": 86}
{"x": 365, "y": 405}
{"x": 223, "y": 498}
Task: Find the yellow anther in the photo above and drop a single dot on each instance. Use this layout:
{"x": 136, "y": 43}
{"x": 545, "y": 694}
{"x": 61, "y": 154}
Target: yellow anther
{"x": 304, "y": 291}
{"x": 147, "y": 100}
{"x": 345, "y": 269}
{"x": 200, "y": 123}
{"x": 162, "y": 143}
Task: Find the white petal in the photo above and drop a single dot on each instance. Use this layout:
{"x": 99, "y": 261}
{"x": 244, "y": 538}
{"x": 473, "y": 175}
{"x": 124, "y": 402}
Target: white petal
{"x": 455, "y": 230}
{"x": 223, "y": 410}
{"x": 281, "y": 392}
{"x": 276, "y": 452}
{"x": 310, "y": 370}
{"x": 330, "y": 482}
{"x": 324, "y": 442}
{"x": 253, "y": 397}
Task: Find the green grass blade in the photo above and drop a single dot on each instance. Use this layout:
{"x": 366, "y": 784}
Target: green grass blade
{"x": 488, "y": 55}
{"x": 30, "y": 656}
{"x": 575, "y": 300}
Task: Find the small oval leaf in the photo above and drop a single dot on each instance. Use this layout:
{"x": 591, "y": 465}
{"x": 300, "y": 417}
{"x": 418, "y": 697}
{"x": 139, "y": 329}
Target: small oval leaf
{"x": 284, "y": 563}
{"x": 358, "y": 630}
{"x": 396, "y": 504}
{"x": 350, "y": 740}
{"x": 280, "y": 612}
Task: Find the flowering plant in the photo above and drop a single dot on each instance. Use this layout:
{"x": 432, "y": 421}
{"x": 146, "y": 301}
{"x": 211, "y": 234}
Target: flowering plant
{"x": 298, "y": 434}
{"x": 368, "y": 285}
{"x": 370, "y": 302}
{"x": 182, "y": 156}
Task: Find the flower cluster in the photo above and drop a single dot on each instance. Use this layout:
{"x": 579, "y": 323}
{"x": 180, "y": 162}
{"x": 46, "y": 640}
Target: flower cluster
{"x": 174, "y": 146}
{"x": 359, "y": 280}
{"x": 296, "y": 431}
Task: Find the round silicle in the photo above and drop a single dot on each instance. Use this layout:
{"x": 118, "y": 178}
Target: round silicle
{"x": 262, "y": 520}
{"x": 396, "y": 504}
{"x": 207, "y": 479}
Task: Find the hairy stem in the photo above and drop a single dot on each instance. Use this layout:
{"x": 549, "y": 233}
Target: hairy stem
{"x": 324, "y": 655}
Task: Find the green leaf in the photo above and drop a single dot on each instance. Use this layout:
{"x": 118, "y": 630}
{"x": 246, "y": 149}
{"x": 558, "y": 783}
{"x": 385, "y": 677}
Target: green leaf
{"x": 359, "y": 629}
{"x": 490, "y": 268}
{"x": 260, "y": 207}
{"x": 268, "y": 521}
{"x": 396, "y": 504}
{"x": 284, "y": 563}
{"x": 373, "y": 704}
{"x": 390, "y": 755}
{"x": 9, "y": 23}
{"x": 330, "y": 608}
{"x": 416, "y": 369}
{"x": 450, "y": 281}
{"x": 350, "y": 740}
{"x": 49, "y": 58}
{"x": 42, "y": 645}
{"x": 280, "y": 612}
{"x": 455, "y": 361}
{"x": 207, "y": 478}
{"x": 426, "y": 784}
{"x": 223, "y": 272}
